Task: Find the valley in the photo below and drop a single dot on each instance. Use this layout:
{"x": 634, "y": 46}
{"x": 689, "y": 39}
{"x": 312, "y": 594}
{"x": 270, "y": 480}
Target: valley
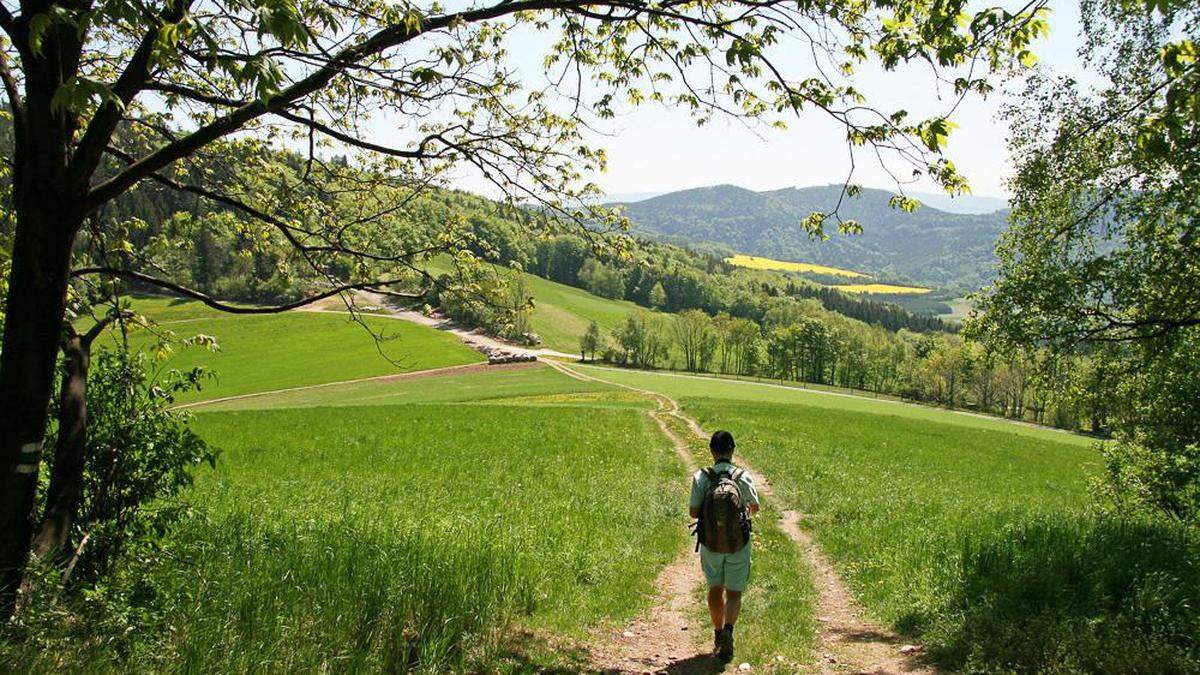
{"x": 352, "y": 465}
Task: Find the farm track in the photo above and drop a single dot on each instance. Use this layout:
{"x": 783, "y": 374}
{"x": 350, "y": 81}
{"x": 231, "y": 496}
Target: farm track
{"x": 847, "y": 640}
{"x": 663, "y": 639}
{"x": 471, "y": 337}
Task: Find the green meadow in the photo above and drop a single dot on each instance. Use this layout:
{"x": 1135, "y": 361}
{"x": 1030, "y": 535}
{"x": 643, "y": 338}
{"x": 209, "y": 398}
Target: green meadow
{"x": 266, "y": 352}
{"x": 415, "y": 536}
{"x": 474, "y": 385}
{"x": 681, "y": 386}
{"x": 971, "y": 534}
{"x": 562, "y": 313}
{"x": 501, "y": 519}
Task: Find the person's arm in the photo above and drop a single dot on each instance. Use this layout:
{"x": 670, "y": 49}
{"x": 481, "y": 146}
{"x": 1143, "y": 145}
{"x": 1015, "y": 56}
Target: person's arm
{"x": 751, "y": 494}
{"x": 697, "y": 496}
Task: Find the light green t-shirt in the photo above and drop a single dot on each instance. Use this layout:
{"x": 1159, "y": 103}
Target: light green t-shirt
{"x": 745, "y": 483}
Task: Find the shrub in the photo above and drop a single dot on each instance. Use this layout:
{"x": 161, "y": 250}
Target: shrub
{"x": 139, "y": 454}
{"x": 1138, "y": 477}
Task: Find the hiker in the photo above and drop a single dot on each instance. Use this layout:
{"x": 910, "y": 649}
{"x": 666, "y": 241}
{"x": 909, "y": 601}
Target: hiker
{"x": 723, "y": 500}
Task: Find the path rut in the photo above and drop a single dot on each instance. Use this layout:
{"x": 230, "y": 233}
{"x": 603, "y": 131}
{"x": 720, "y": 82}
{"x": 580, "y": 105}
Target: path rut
{"x": 847, "y": 641}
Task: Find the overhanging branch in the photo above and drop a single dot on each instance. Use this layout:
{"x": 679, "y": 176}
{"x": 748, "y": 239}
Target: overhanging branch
{"x": 378, "y": 286}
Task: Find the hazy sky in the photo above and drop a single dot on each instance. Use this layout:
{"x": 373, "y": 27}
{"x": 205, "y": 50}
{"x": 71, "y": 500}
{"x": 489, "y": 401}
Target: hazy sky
{"x": 654, "y": 149}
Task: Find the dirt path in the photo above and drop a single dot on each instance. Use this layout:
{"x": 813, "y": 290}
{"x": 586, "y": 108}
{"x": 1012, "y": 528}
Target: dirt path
{"x": 665, "y": 639}
{"x": 471, "y": 337}
{"x": 847, "y": 641}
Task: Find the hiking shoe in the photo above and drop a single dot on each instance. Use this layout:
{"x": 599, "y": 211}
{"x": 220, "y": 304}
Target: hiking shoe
{"x": 725, "y": 644}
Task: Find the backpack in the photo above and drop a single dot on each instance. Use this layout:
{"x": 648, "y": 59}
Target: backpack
{"x": 723, "y": 526}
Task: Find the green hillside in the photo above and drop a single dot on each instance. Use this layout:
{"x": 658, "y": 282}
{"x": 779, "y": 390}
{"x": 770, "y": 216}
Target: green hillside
{"x": 928, "y": 246}
{"x": 276, "y": 351}
{"x": 562, "y": 313}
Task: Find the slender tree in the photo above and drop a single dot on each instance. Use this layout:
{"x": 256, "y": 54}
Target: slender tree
{"x": 697, "y": 338}
{"x": 590, "y": 342}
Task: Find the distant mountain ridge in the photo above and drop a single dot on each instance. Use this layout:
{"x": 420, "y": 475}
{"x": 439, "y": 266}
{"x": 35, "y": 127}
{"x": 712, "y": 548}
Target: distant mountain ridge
{"x": 930, "y": 246}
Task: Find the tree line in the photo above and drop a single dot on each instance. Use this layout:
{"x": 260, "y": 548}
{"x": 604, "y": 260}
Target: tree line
{"x": 798, "y": 341}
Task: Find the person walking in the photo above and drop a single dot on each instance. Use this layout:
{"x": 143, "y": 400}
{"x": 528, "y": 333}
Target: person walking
{"x": 723, "y": 501}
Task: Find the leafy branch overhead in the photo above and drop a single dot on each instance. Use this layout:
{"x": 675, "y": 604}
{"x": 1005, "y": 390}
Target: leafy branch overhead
{"x": 313, "y": 74}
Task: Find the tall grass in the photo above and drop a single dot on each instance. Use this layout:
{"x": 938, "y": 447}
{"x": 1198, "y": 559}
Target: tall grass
{"x": 1075, "y": 594}
{"x": 388, "y": 539}
{"x": 340, "y": 596}
{"x": 591, "y": 497}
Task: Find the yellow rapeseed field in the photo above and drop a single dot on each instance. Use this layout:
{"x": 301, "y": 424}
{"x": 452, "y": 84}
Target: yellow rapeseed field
{"x": 883, "y": 289}
{"x": 757, "y": 263}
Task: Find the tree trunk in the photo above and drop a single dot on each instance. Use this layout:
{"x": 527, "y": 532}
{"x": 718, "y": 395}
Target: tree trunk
{"x": 66, "y": 477}
{"x": 48, "y": 200}
{"x": 33, "y": 326}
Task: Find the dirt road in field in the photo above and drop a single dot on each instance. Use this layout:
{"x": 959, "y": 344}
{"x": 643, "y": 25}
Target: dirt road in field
{"x": 473, "y": 338}
{"x": 847, "y": 641}
{"x": 666, "y": 639}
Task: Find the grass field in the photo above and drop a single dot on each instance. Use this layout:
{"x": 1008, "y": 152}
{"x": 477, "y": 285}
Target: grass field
{"x": 403, "y": 535}
{"x": 881, "y": 289}
{"x": 562, "y": 313}
{"x": 782, "y": 623}
{"x": 757, "y": 263}
{"x": 681, "y": 386}
{"x": 960, "y": 309}
{"x": 469, "y": 521}
{"x": 485, "y": 385}
{"x": 275, "y": 351}
{"x": 972, "y": 535}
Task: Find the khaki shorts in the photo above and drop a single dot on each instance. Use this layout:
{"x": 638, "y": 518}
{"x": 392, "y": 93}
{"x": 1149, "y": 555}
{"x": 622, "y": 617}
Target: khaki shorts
{"x": 731, "y": 570}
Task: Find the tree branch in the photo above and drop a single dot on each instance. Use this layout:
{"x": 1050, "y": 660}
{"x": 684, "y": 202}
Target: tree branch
{"x": 91, "y": 147}
{"x": 385, "y": 38}
{"x": 349, "y": 139}
{"x": 131, "y": 275}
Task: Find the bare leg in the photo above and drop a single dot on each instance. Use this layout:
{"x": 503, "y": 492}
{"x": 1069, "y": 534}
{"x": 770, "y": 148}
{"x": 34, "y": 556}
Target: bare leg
{"x": 733, "y": 605}
{"x": 716, "y": 606}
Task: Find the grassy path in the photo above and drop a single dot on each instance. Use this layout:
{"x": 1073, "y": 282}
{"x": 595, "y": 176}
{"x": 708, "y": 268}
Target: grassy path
{"x": 846, "y": 639}
{"x": 658, "y": 641}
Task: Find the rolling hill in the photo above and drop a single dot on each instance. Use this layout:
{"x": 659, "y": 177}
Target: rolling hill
{"x": 930, "y": 247}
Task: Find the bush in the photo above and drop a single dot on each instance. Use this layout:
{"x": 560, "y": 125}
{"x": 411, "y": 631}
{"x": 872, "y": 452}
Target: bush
{"x": 1095, "y": 595}
{"x": 1138, "y": 477}
{"x": 139, "y": 454}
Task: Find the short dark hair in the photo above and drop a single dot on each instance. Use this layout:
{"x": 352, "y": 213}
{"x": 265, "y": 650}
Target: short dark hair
{"x": 721, "y": 443}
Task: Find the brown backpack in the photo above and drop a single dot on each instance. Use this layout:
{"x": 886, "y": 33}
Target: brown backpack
{"x": 724, "y": 525}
